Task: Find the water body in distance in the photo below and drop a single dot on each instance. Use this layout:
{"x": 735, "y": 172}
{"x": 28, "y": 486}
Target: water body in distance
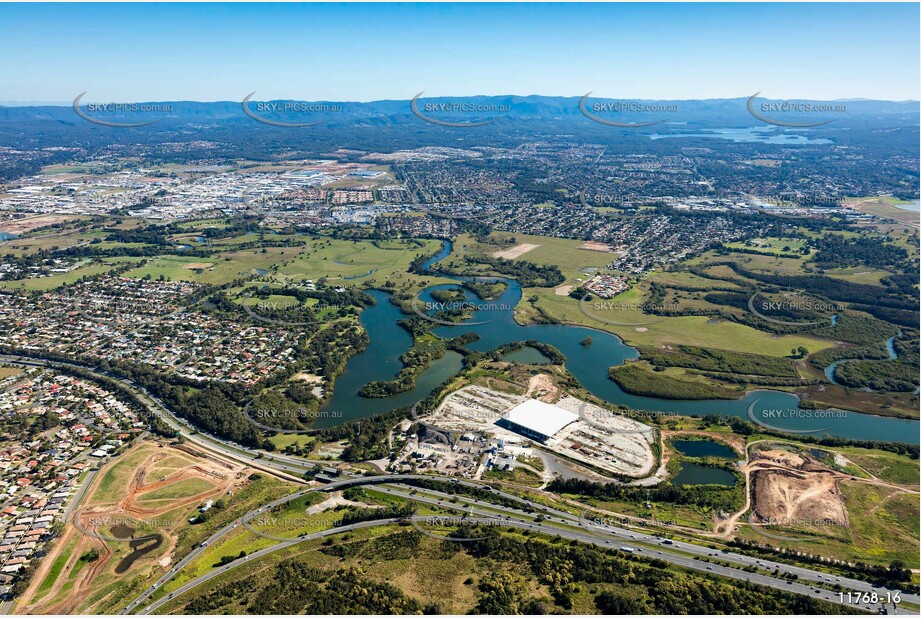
{"x": 912, "y": 206}
{"x": 762, "y": 135}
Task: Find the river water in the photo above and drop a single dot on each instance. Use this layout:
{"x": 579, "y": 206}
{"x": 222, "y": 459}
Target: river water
{"x": 589, "y": 364}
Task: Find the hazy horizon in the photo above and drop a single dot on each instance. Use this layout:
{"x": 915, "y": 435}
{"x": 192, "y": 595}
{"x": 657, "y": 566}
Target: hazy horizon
{"x": 89, "y": 99}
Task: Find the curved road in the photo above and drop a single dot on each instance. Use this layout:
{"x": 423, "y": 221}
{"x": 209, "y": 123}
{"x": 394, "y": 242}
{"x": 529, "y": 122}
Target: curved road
{"x": 570, "y": 527}
{"x": 291, "y": 468}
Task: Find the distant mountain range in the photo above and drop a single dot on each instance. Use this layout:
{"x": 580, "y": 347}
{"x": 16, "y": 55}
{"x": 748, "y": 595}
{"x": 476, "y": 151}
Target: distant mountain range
{"x": 707, "y": 112}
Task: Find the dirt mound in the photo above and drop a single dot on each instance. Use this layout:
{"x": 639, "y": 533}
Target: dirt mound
{"x": 136, "y": 555}
{"x": 787, "y": 498}
{"x": 544, "y": 388}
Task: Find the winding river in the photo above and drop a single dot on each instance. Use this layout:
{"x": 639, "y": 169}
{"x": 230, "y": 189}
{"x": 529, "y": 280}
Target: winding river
{"x": 495, "y": 325}
{"x": 830, "y": 370}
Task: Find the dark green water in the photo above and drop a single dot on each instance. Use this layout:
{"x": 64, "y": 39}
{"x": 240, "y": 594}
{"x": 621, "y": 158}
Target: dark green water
{"x": 526, "y": 356}
{"x": 140, "y": 546}
{"x": 704, "y": 448}
{"x": 381, "y": 361}
{"x": 588, "y": 364}
{"x": 695, "y": 474}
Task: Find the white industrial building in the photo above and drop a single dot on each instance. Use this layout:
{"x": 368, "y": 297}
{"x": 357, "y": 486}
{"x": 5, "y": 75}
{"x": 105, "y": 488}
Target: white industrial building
{"x": 537, "y": 420}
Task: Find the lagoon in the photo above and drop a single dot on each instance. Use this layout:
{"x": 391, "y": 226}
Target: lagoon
{"x": 495, "y": 326}
{"x": 704, "y": 448}
{"x": 696, "y": 474}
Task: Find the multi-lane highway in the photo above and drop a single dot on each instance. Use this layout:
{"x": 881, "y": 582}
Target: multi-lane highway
{"x": 809, "y": 582}
{"x": 563, "y": 524}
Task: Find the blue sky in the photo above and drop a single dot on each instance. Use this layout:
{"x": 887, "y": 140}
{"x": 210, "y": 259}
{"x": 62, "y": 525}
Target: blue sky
{"x": 362, "y": 52}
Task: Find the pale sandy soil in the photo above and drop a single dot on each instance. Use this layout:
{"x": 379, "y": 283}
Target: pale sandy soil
{"x": 334, "y": 501}
{"x": 563, "y": 290}
{"x": 21, "y": 226}
{"x": 595, "y": 246}
{"x": 788, "y": 498}
{"x": 516, "y": 251}
{"x": 542, "y": 387}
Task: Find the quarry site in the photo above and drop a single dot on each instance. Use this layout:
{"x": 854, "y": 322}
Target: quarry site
{"x": 476, "y": 428}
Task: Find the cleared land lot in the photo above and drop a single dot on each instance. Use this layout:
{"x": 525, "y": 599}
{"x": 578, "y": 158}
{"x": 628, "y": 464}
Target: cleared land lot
{"x": 514, "y": 252}
{"x": 886, "y": 207}
{"x": 147, "y": 494}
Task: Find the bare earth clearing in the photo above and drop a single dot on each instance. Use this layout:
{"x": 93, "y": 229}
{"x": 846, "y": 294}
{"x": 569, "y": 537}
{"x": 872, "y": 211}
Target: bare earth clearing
{"x": 154, "y": 492}
{"x": 516, "y": 251}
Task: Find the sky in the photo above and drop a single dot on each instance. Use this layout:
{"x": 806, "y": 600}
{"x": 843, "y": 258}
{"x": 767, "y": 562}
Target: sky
{"x": 365, "y": 52}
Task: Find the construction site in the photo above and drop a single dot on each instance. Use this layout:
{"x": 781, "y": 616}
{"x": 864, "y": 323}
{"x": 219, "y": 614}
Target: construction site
{"x": 134, "y": 514}
{"x": 474, "y": 427}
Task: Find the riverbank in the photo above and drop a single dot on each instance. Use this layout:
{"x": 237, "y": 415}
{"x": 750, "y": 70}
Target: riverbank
{"x": 496, "y": 324}
{"x": 832, "y": 395}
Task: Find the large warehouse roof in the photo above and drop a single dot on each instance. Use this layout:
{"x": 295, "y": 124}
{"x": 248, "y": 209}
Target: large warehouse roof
{"x": 540, "y": 417}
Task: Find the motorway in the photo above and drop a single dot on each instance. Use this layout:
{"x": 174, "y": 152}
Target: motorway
{"x": 683, "y": 554}
{"x": 569, "y": 527}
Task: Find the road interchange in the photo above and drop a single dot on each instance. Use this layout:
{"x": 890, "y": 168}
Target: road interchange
{"x": 579, "y": 528}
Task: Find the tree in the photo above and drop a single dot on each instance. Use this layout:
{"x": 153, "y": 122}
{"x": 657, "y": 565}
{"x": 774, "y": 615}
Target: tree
{"x": 612, "y": 603}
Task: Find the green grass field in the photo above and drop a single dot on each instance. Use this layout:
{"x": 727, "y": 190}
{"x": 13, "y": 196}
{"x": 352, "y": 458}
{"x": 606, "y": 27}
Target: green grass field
{"x": 561, "y": 252}
{"x": 174, "y": 491}
{"x": 885, "y": 465}
{"x": 771, "y": 245}
{"x": 47, "y": 241}
{"x": 283, "y": 440}
{"x": 166, "y": 466}
{"x": 216, "y": 269}
{"x": 347, "y": 262}
{"x": 55, "y": 571}
{"x": 117, "y": 476}
{"x": 866, "y": 275}
{"x": 687, "y": 330}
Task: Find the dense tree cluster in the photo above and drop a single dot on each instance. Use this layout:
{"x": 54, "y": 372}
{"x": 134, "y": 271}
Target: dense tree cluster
{"x": 719, "y": 360}
{"x": 712, "y": 496}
